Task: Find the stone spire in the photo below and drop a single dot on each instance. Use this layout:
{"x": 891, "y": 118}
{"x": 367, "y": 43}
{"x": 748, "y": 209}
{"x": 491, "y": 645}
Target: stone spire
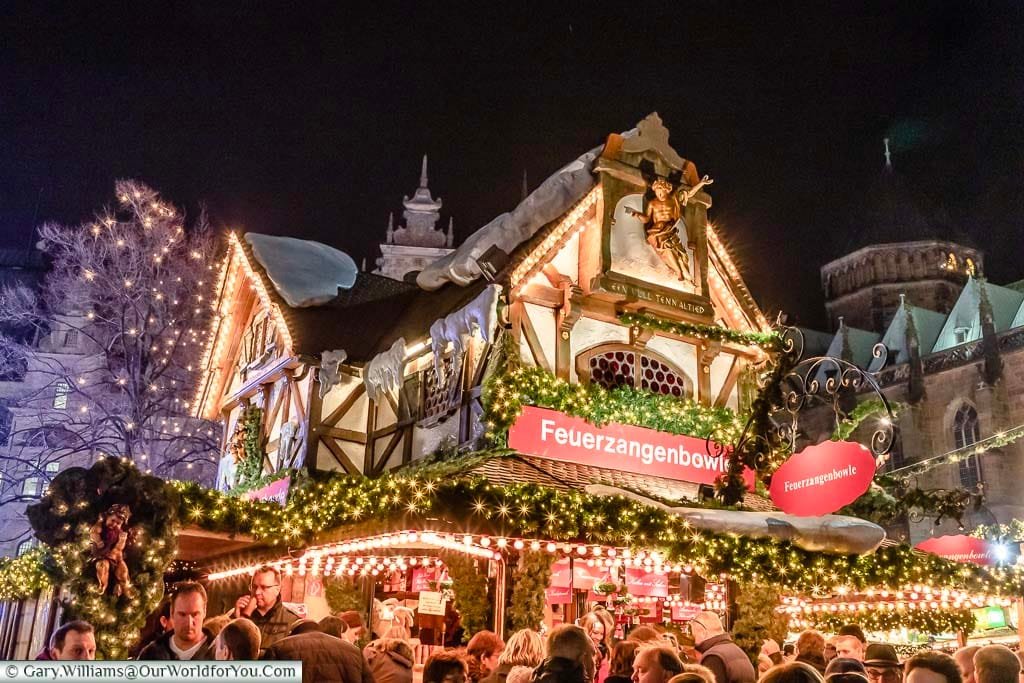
{"x": 449, "y": 238}
{"x": 888, "y": 155}
{"x": 915, "y": 378}
{"x": 526, "y": 187}
{"x": 421, "y": 214}
{"x": 391, "y": 228}
{"x": 992, "y": 369}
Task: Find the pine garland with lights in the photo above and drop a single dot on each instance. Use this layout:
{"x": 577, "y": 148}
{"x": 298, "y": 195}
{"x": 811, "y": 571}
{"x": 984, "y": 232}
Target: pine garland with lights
{"x": 507, "y": 394}
{"x": 1011, "y": 531}
{"x": 250, "y": 469}
{"x": 931, "y": 621}
{"x": 24, "y": 576}
{"x": 769, "y": 341}
{"x": 63, "y": 519}
{"x": 332, "y": 502}
{"x": 469, "y": 583}
{"x": 529, "y": 591}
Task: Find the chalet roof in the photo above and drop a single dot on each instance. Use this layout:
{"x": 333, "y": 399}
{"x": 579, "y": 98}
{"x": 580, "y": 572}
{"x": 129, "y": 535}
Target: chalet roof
{"x": 366, "y": 318}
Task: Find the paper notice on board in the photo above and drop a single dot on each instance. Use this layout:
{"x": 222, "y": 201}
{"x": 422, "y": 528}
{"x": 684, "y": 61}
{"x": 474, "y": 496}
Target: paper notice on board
{"x": 432, "y": 602}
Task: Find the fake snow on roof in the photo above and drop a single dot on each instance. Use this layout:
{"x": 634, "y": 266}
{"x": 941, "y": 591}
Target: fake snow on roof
{"x": 303, "y": 272}
{"x": 551, "y": 199}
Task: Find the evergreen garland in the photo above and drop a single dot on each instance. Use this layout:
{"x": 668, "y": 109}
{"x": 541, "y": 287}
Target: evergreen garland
{"x": 931, "y": 621}
{"x": 529, "y": 591}
{"x": 470, "y": 586}
{"x": 759, "y": 618}
{"x": 770, "y": 341}
{"x": 24, "y": 576}
{"x": 250, "y": 469}
{"x": 63, "y": 520}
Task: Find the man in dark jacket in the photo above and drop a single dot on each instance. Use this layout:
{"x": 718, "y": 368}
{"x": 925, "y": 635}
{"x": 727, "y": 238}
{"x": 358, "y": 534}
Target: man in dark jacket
{"x": 570, "y": 657}
{"x": 726, "y": 660}
{"x": 187, "y": 639}
{"x": 264, "y": 608}
{"x": 325, "y": 659}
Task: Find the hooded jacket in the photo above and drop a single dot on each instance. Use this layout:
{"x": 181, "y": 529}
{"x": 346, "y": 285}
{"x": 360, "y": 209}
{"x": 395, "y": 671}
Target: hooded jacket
{"x": 389, "y": 666}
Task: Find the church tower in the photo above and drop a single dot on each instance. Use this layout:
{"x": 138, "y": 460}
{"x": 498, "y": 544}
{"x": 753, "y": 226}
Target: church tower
{"x": 411, "y": 247}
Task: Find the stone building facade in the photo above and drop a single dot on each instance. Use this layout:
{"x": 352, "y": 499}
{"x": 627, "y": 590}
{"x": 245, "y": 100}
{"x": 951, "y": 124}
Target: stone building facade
{"x": 411, "y": 247}
{"x": 954, "y": 357}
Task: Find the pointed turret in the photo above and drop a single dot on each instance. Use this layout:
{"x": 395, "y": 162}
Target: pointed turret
{"x": 992, "y": 369}
{"x": 525, "y": 189}
{"x": 915, "y": 379}
{"x": 449, "y": 238}
{"x": 390, "y": 235}
{"x": 423, "y": 173}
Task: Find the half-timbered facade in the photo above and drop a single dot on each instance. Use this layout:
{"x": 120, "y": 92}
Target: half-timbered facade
{"x": 378, "y": 373}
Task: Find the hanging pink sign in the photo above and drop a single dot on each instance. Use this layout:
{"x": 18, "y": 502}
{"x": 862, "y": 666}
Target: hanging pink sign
{"x": 422, "y": 578}
{"x": 962, "y": 548}
{"x": 685, "y": 612}
{"x": 557, "y": 595}
{"x": 583, "y": 577}
{"x": 642, "y": 582}
{"x": 821, "y": 479}
{"x": 551, "y": 434}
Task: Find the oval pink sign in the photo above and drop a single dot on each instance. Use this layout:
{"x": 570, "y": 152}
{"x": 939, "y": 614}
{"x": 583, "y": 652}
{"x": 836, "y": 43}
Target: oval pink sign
{"x": 822, "y": 478}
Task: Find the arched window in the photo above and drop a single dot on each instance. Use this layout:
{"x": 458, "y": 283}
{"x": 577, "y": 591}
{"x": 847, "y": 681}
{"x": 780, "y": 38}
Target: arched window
{"x": 966, "y": 432}
{"x": 619, "y": 365}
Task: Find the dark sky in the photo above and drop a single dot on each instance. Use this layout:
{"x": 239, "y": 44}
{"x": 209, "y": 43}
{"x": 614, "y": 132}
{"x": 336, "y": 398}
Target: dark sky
{"x": 309, "y": 120}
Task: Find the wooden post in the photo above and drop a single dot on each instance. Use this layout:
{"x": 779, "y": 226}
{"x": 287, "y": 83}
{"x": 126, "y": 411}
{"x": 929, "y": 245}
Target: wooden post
{"x": 1020, "y": 618}
{"x": 500, "y": 579}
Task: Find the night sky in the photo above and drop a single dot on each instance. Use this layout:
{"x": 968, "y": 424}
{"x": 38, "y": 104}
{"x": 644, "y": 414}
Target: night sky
{"x": 309, "y": 120}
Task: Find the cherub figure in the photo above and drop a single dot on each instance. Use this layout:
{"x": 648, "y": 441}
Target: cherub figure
{"x": 109, "y": 538}
{"x": 663, "y": 212}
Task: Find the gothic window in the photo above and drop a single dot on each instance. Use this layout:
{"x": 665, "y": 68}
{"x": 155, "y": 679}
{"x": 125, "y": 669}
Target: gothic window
{"x": 965, "y": 433}
{"x": 618, "y": 365}
{"x": 257, "y": 341}
{"x": 441, "y": 395}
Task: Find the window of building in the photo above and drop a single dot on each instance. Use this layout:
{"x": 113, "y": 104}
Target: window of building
{"x": 71, "y": 338}
{"x": 960, "y": 334}
{"x": 60, "y": 395}
{"x": 441, "y": 395}
{"x": 30, "y": 487}
{"x": 619, "y": 365}
{"x": 965, "y": 433}
{"x": 24, "y": 547}
{"x": 52, "y": 468}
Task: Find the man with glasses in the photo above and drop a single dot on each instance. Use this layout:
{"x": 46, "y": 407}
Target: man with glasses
{"x": 882, "y": 664}
{"x": 264, "y": 607}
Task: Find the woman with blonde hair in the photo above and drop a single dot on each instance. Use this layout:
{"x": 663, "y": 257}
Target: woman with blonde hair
{"x": 523, "y": 648}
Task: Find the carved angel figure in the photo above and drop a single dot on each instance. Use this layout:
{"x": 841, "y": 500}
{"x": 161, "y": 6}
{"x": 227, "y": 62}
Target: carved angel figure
{"x": 109, "y": 538}
{"x": 663, "y": 212}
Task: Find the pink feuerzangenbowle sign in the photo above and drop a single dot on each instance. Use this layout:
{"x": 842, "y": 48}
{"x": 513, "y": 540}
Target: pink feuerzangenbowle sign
{"x": 821, "y": 479}
{"x": 551, "y": 434}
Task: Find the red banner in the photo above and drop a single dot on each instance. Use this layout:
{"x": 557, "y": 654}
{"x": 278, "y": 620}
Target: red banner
{"x": 685, "y": 612}
{"x": 821, "y": 479}
{"x": 969, "y": 549}
{"x": 555, "y": 435}
{"x": 643, "y": 582}
{"x": 558, "y": 596}
{"x": 583, "y": 577}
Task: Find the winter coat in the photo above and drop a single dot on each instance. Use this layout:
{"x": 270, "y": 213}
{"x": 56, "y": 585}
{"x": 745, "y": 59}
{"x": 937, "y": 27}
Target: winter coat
{"x": 325, "y": 659}
{"x": 726, "y": 660}
{"x": 816, "y": 660}
{"x": 558, "y": 670}
{"x": 498, "y": 675}
{"x": 160, "y": 649}
{"x": 388, "y": 667}
{"x": 274, "y": 625}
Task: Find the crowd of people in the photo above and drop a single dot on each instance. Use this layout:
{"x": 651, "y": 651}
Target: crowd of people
{"x": 260, "y": 626}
